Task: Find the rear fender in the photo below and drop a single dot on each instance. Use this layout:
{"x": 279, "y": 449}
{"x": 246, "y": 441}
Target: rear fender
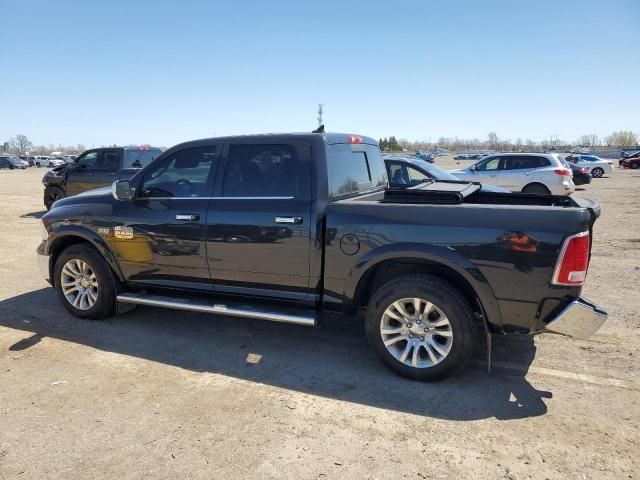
{"x": 434, "y": 254}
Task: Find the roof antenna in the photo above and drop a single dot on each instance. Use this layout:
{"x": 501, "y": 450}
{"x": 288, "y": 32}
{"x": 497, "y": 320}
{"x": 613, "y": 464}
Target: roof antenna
{"x": 320, "y": 129}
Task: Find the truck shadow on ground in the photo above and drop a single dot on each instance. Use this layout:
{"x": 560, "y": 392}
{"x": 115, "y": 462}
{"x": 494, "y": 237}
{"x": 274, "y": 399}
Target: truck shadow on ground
{"x": 333, "y": 362}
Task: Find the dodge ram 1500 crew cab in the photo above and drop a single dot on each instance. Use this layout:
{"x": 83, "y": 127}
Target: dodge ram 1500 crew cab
{"x": 287, "y": 227}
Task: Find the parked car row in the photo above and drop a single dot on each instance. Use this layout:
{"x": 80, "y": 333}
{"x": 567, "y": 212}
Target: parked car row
{"x": 11, "y": 162}
{"x": 594, "y": 165}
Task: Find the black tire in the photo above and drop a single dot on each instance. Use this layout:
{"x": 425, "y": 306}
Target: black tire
{"x": 635, "y": 165}
{"x": 597, "y": 172}
{"x": 106, "y": 291}
{"x": 536, "y": 189}
{"x": 448, "y": 300}
{"x": 38, "y": 164}
{"x": 51, "y": 194}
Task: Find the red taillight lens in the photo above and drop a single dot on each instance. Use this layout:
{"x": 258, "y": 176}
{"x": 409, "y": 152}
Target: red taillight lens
{"x": 355, "y": 139}
{"x": 582, "y": 170}
{"x": 572, "y": 265}
{"x": 563, "y": 171}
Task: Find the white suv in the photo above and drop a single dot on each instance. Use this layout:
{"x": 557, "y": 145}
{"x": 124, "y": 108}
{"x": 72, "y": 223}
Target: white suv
{"x": 539, "y": 173}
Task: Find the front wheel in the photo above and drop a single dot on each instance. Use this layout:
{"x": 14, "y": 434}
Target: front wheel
{"x": 597, "y": 172}
{"x": 51, "y": 194}
{"x": 421, "y": 327}
{"x": 635, "y": 165}
{"x": 84, "y": 282}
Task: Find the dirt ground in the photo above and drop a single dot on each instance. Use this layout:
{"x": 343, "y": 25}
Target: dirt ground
{"x": 166, "y": 394}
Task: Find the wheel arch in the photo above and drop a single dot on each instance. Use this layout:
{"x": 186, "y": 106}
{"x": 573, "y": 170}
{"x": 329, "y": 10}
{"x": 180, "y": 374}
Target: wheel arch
{"x": 372, "y": 272}
{"x": 79, "y": 236}
{"x": 531, "y": 184}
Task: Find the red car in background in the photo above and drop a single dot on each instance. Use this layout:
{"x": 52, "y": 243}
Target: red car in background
{"x": 631, "y": 161}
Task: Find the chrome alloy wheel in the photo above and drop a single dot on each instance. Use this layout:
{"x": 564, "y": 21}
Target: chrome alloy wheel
{"x": 416, "y": 332}
{"x": 79, "y": 284}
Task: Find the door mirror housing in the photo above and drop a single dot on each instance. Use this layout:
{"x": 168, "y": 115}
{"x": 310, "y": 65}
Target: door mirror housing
{"x": 473, "y": 169}
{"x": 121, "y": 190}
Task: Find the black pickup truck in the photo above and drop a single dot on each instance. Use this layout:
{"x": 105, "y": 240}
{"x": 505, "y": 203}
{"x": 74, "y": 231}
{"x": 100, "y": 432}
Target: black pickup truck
{"x": 288, "y": 227}
{"x": 95, "y": 168}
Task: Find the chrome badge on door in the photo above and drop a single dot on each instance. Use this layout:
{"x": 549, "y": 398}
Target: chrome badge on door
{"x": 122, "y": 232}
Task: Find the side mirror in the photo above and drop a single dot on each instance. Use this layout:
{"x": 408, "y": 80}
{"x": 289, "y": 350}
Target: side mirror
{"x": 121, "y": 190}
{"x": 472, "y": 169}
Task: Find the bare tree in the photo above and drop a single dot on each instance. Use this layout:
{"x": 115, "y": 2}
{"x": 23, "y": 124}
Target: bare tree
{"x": 622, "y": 139}
{"x": 20, "y": 143}
{"x": 492, "y": 141}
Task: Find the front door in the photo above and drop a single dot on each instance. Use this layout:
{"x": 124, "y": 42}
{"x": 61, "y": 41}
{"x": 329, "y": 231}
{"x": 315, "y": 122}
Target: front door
{"x": 258, "y": 226}
{"x": 93, "y": 169}
{"x": 159, "y": 236}
{"x": 487, "y": 171}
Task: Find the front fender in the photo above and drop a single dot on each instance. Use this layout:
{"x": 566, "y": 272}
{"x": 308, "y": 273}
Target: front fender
{"x": 437, "y": 255}
{"x": 65, "y": 234}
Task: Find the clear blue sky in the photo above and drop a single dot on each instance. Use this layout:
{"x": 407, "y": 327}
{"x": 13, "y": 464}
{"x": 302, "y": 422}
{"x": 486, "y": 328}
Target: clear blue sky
{"x": 164, "y": 72}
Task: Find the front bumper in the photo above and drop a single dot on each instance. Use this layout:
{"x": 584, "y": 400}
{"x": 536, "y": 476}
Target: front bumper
{"x": 580, "y": 319}
{"x": 44, "y": 263}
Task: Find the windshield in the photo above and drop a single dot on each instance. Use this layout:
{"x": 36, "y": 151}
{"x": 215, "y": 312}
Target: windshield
{"x": 139, "y": 158}
{"x": 433, "y": 170}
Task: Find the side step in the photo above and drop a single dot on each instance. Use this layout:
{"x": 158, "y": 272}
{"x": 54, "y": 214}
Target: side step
{"x": 199, "y": 306}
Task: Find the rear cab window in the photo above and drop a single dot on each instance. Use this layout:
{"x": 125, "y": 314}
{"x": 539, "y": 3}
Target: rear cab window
{"x": 354, "y": 168}
{"x": 137, "y": 158}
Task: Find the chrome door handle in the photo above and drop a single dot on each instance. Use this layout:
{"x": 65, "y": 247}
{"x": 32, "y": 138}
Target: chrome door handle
{"x": 188, "y": 217}
{"x": 291, "y": 220}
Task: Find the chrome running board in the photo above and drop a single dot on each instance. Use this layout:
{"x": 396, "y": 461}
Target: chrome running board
{"x": 196, "y": 306}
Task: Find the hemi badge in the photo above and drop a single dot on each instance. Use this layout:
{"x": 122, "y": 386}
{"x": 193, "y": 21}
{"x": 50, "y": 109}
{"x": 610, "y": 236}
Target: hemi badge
{"x": 103, "y": 230}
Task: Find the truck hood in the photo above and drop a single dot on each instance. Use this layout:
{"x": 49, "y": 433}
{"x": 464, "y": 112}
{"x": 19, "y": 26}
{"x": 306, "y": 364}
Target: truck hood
{"x": 99, "y": 195}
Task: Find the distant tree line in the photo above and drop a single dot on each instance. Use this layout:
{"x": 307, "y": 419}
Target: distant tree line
{"x": 20, "y": 144}
{"x": 622, "y": 139}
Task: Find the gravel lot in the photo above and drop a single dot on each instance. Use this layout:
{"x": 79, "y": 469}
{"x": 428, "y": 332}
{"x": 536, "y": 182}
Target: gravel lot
{"x": 165, "y": 394}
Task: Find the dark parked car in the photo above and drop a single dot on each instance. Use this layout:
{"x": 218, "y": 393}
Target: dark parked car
{"x": 430, "y": 267}
{"x": 95, "y": 168}
{"x": 631, "y": 160}
{"x": 11, "y": 162}
{"x": 411, "y": 171}
{"x": 581, "y": 175}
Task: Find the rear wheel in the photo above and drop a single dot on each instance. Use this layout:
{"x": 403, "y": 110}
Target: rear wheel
{"x": 84, "y": 282}
{"x": 536, "y": 188}
{"x": 635, "y": 165}
{"x": 597, "y": 172}
{"x": 421, "y": 327}
{"x": 51, "y": 194}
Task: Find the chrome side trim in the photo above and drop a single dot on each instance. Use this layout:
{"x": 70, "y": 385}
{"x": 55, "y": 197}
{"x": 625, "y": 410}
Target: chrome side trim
{"x": 192, "y": 306}
{"x": 580, "y": 319}
{"x": 215, "y": 198}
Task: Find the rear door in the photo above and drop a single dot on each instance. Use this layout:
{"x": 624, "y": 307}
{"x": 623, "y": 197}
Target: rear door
{"x": 520, "y": 170}
{"x": 259, "y": 220}
{"x": 93, "y": 169}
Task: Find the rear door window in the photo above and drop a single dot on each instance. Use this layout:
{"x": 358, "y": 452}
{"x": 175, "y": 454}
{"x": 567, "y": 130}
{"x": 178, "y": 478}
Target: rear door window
{"x": 138, "y": 158}
{"x": 523, "y": 162}
{"x": 261, "y": 171}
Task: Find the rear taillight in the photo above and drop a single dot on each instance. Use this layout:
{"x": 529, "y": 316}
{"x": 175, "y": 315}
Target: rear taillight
{"x": 354, "y": 139}
{"x": 563, "y": 171}
{"x": 572, "y": 265}
{"x": 582, "y": 171}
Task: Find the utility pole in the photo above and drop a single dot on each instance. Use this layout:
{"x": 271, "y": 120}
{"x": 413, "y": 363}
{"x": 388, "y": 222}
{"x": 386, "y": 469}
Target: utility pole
{"x": 320, "y": 111}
